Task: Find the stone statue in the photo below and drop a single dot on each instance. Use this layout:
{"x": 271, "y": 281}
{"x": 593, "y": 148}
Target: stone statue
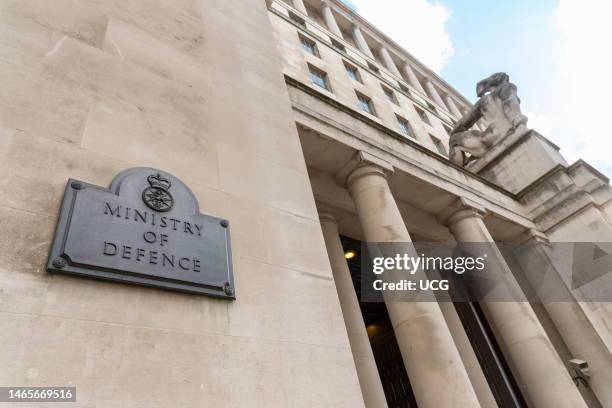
{"x": 499, "y": 106}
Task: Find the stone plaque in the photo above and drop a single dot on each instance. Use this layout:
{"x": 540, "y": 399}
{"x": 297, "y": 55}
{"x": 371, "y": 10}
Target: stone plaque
{"x": 145, "y": 229}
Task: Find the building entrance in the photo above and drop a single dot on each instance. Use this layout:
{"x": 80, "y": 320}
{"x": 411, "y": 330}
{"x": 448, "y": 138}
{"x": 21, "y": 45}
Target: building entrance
{"x": 393, "y": 375}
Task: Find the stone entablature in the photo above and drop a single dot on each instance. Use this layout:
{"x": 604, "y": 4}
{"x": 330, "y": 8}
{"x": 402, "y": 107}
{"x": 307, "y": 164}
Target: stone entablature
{"x": 408, "y": 158}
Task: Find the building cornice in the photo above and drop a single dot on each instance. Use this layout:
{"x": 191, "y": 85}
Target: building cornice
{"x": 390, "y": 132}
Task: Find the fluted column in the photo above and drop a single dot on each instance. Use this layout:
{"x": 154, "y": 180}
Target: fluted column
{"x": 330, "y": 20}
{"x": 299, "y": 4}
{"x": 361, "y": 42}
{"x": 412, "y": 79}
{"x": 538, "y": 368}
{"x": 452, "y": 107}
{"x": 432, "y": 92}
{"x": 369, "y": 379}
{"x": 433, "y": 363}
{"x": 389, "y": 63}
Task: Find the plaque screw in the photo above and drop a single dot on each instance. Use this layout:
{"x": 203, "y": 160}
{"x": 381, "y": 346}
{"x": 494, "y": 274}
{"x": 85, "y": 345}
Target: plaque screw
{"x": 76, "y": 185}
{"x": 224, "y": 223}
{"x": 59, "y": 263}
{"x": 227, "y": 288}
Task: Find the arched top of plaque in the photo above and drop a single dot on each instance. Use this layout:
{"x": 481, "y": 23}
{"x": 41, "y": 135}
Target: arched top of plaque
{"x": 159, "y": 190}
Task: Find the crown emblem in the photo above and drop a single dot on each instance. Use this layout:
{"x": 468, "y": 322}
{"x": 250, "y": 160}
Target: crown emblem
{"x": 157, "y": 180}
{"x": 157, "y": 196}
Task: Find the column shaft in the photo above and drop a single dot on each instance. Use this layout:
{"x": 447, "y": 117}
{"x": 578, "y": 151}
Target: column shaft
{"x": 575, "y": 329}
{"x": 389, "y": 63}
{"x": 330, "y": 20}
{"x": 452, "y": 107}
{"x": 433, "y": 363}
{"x": 299, "y": 4}
{"x": 432, "y": 92}
{"x": 412, "y": 79}
{"x": 468, "y": 356}
{"x": 537, "y": 366}
{"x": 361, "y": 42}
{"x": 369, "y": 379}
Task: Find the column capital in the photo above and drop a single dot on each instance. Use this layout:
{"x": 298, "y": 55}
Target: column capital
{"x": 362, "y": 164}
{"x": 459, "y": 209}
{"x": 534, "y": 236}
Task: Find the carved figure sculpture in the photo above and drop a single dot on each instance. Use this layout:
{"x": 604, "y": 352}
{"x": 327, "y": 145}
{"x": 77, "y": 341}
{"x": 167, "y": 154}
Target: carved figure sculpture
{"x": 500, "y": 106}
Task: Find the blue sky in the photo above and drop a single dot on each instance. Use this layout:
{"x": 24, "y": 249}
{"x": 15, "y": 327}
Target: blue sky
{"x": 498, "y": 36}
{"x": 555, "y": 51}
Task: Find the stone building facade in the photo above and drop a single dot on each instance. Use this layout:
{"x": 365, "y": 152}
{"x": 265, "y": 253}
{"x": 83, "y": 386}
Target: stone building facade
{"x": 310, "y": 131}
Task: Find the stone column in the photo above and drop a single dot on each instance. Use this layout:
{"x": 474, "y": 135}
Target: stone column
{"x": 361, "y": 42}
{"x": 536, "y": 365}
{"x": 468, "y": 356}
{"x": 330, "y": 20}
{"x": 433, "y": 363}
{"x": 389, "y": 63}
{"x": 575, "y": 329}
{"x": 369, "y": 380}
{"x": 432, "y": 93}
{"x": 299, "y": 5}
{"x": 452, "y": 107}
{"x": 412, "y": 79}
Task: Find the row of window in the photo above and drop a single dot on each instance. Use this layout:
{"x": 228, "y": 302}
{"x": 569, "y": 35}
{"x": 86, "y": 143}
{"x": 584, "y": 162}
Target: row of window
{"x": 320, "y": 78}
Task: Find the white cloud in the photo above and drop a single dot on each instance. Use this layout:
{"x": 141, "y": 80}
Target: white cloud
{"x": 537, "y": 119}
{"x": 417, "y": 25}
{"x": 584, "y": 86}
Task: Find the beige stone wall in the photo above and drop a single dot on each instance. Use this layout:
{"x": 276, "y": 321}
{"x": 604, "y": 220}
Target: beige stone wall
{"x": 194, "y": 88}
{"x": 295, "y": 65}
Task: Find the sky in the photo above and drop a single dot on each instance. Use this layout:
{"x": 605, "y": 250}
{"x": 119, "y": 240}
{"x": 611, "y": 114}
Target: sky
{"x": 557, "y": 52}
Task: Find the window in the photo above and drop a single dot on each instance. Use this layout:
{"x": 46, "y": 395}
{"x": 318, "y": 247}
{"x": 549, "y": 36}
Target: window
{"x": 431, "y": 106}
{"x": 319, "y": 77}
{"x": 366, "y": 103}
{"x": 405, "y": 127}
{"x": 338, "y": 45}
{"x": 422, "y": 115}
{"x": 309, "y": 46}
{"x": 352, "y": 72}
{"x": 439, "y": 145}
{"x": 390, "y": 95}
{"x": 373, "y": 67}
{"x": 297, "y": 19}
{"x": 404, "y": 88}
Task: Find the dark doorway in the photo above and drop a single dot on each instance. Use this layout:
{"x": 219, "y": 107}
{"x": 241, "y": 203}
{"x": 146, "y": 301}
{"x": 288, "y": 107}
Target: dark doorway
{"x": 393, "y": 376}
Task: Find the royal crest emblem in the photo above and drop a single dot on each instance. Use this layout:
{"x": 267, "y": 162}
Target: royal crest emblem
{"x": 157, "y": 196}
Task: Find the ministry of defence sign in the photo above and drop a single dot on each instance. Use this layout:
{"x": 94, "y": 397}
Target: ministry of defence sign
{"x": 145, "y": 229}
